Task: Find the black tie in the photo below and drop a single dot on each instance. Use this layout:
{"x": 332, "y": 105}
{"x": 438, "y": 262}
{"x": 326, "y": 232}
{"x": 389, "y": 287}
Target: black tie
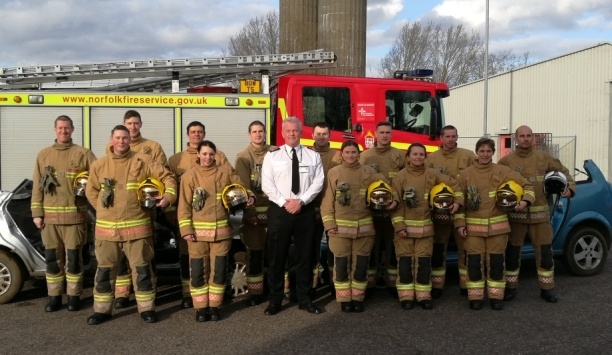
{"x": 295, "y": 173}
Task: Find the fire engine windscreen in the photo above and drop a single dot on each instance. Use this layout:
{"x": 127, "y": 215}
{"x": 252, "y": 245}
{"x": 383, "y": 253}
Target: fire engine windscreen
{"x": 409, "y": 110}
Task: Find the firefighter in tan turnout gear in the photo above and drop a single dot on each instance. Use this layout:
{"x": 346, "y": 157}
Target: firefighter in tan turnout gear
{"x": 533, "y": 165}
{"x": 348, "y": 222}
{"x": 248, "y": 167}
{"x": 178, "y": 164}
{"x": 138, "y": 144}
{"x": 61, "y": 215}
{"x": 123, "y": 225}
{"x": 449, "y": 160}
{"x": 484, "y": 224}
{"x": 387, "y": 161}
{"x": 203, "y": 214}
{"x": 329, "y": 158}
{"x": 414, "y": 228}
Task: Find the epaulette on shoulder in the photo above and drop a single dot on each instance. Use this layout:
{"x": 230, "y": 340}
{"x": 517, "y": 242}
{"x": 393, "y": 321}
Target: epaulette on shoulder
{"x": 273, "y": 149}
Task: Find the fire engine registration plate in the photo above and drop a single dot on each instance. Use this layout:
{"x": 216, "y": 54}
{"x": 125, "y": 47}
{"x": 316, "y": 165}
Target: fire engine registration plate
{"x": 250, "y": 86}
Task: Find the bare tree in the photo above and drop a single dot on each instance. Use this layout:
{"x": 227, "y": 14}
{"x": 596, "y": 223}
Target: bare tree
{"x": 455, "y": 55}
{"x": 258, "y": 36}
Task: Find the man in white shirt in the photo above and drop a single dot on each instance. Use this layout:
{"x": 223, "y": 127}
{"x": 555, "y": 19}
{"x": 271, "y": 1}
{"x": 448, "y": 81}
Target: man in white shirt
{"x": 292, "y": 176}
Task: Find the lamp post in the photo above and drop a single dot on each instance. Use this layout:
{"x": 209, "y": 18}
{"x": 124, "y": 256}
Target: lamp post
{"x": 486, "y": 71}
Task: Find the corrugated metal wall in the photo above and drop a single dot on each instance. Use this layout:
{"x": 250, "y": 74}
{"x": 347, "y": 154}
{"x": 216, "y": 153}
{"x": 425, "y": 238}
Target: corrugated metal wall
{"x": 566, "y": 96}
{"x": 298, "y": 25}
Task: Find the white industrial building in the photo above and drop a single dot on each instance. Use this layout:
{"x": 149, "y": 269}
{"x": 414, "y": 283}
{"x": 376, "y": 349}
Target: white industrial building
{"x": 569, "y": 97}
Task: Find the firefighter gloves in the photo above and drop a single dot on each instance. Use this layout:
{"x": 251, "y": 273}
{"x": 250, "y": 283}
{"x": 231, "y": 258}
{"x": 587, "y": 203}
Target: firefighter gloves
{"x": 473, "y": 198}
{"x": 410, "y": 197}
{"x": 199, "y": 197}
{"x": 108, "y": 194}
{"x": 48, "y": 181}
{"x": 343, "y": 195}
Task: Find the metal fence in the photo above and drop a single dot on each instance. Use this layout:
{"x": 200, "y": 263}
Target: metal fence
{"x": 561, "y": 147}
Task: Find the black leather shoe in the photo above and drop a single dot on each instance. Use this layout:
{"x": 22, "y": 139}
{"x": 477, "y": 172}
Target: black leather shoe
{"x": 272, "y": 310}
{"x": 74, "y": 303}
{"x": 549, "y": 296}
{"x": 254, "y": 300}
{"x": 475, "y": 305}
{"x": 509, "y": 294}
{"x": 436, "y": 293}
{"x": 149, "y": 316}
{"x": 426, "y": 304}
{"x": 407, "y": 304}
{"x": 346, "y": 307}
{"x": 98, "y": 318}
{"x": 186, "y": 302}
{"x": 53, "y": 304}
{"x": 122, "y": 302}
{"x": 497, "y": 305}
{"x": 463, "y": 291}
{"x": 213, "y": 314}
{"x": 310, "y": 308}
{"x": 358, "y": 306}
{"x": 201, "y": 315}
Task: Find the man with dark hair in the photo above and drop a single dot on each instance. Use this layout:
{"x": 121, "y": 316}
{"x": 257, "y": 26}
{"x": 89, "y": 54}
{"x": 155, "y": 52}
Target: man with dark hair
{"x": 330, "y": 158}
{"x": 386, "y": 160}
{"x": 123, "y": 226}
{"x": 60, "y": 215}
{"x": 178, "y": 164}
{"x": 449, "y": 160}
{"x": 254, "y": 231}
{"x": 133, "y": 122}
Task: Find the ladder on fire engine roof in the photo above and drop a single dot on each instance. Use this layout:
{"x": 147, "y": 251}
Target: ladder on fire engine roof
{"x": 157, "y": 74}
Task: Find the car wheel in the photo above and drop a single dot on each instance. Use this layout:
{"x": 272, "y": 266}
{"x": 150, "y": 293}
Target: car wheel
{"x": 11, "y": 277}
{"x": 586, "y": 252}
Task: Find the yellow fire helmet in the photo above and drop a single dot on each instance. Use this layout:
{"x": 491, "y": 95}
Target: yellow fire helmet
{"x": 234, "y": 197}
{"x": 79, "y": 183}
{"x": 148, "y": 190}
{"x": 441, "y": 198}
{"x": 509, "y": 194}
{"x": 379, "y": 195}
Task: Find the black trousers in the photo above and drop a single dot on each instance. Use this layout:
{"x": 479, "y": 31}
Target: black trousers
{"x": 283, "y": 229}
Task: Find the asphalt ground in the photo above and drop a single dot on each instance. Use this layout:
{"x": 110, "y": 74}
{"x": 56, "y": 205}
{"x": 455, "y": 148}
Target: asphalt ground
{"x": 579, "y": 324}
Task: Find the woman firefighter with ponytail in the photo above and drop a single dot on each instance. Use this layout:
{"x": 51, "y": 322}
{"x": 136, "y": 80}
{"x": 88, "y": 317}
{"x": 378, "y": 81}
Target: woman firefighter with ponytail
{"x": 349, "y": 225}
{"x": 208, "y": 194}
{"x": 413, "y": 224}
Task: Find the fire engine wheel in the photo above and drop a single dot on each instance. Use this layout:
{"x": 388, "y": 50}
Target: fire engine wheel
{"x": 586, "y": 252}
{"x": 238, "y": 280}
{"x": 11, "y": 277}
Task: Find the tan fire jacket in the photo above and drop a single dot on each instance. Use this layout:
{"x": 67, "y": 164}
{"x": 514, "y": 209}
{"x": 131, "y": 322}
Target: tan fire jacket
{"x": 329, "y": 158}
{"x": 388, "y": 160}
{"x": 488, "y": 219}
{"x": 417, "y": 220}
{"x": 533, "y": 165}
{"x": 450, "y": 162}
{"x": 248, "y": 167}
{"x": 182, "y": 161}
{"x": 145, "y": 146}
{"x": 355, "y": 219}
{"x": 210, "y": 224}
{"x": 62, "y": 206}
{"x": 125, "y": 220}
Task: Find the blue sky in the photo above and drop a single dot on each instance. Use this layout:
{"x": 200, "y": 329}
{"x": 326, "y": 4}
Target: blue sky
{"x": 85, "y": 31}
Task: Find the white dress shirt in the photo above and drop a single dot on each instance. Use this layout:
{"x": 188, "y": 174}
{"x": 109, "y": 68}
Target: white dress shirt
{"x": 276, "y": 175}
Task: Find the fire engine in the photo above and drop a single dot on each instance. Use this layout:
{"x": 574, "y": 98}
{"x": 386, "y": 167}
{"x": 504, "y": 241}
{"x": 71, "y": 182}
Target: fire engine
{"x": 169, "y": 94}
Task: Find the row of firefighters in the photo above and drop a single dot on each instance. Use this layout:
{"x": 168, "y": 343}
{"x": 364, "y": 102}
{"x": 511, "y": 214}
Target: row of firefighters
{"x": 380, "y": 207}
